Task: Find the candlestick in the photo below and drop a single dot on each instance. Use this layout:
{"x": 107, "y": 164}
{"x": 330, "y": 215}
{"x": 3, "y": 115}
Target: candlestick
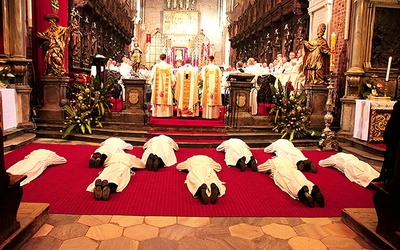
{"x": 388, "y": 68}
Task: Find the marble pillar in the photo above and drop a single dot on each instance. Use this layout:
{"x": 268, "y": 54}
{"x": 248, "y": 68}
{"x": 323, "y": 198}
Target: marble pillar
{"x": 354, "y": 73}
{"x": 54, "y": 98}
{"x": 14, "y": 40}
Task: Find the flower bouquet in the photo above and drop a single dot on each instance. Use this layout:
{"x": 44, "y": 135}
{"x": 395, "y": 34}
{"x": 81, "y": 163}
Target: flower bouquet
{"x": 291, "y": 117}
{"x": 88, "y": 100}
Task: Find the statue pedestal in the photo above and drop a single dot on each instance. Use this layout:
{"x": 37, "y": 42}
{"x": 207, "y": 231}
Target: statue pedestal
{"x": 135, "y": 108}
{"x": 317, "y": 96}
{"x": 238, "y": 110}
{"x": 54, "y": 97}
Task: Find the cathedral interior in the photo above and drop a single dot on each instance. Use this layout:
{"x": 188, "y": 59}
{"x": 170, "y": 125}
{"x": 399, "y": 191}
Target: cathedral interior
{"x": 344, "y": 62}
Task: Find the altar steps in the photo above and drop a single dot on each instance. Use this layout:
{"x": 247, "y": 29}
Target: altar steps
{"x": 192, "y": 137}
{"x": 14, "y": 138}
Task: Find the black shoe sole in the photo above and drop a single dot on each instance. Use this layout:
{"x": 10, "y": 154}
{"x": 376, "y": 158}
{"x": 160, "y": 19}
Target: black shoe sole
{"x": 204, "y": 197}
{"x": 214, "y": 194}
{"x": 98, "y": 192}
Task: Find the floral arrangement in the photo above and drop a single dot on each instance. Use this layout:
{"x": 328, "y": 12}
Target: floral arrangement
{"x": 5, "y": 75}
{"x": 88, "y": 100}
{"x": 372, "y": 88}
{"x": 291, "y": 117}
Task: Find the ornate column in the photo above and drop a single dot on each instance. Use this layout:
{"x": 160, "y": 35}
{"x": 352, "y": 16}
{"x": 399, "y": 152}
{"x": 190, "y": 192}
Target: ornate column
{"x": 355, "y": 71}
{"x": 15, "y": 36}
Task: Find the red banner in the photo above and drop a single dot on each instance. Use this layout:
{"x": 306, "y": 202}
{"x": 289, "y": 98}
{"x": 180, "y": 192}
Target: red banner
{"x": 148, "y": 38}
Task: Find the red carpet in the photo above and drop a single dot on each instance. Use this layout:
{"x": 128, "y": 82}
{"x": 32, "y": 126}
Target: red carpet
{"x": 164, "y": 193}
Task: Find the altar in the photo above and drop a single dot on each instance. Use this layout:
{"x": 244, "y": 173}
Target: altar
{"x": 371, "y": 117}
{"x": 9, "y": 110}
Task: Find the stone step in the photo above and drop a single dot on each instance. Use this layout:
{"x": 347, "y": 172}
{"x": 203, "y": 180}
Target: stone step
{"x": 363, "y": 221}
{"x": 31, "y": 217}
{"x": 18, "y": 141}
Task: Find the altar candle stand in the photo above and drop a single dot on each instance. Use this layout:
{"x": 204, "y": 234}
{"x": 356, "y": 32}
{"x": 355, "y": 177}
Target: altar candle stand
{"x": 328, "y": 137}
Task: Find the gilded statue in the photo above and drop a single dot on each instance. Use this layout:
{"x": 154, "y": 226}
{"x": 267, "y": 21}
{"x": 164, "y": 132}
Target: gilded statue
{"x": 317, "y": 53}
{"x": 53, "y": 42}
{"x": 136, "y": 54}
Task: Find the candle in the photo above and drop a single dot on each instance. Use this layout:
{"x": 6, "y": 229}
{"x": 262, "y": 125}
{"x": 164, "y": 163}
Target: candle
{"x": 333, "y": 41}
{"x": 388, "y": 68}
{"x": 333, "y": 45}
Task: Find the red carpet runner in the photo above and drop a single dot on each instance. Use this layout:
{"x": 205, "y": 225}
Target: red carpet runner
{"x": 164, "y": 193}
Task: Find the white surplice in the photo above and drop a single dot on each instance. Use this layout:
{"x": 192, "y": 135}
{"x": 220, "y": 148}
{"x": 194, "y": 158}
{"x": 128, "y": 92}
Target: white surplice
{"x": 354, "y": 169}
{"x": 202, "y": 170}
{"x": 284, "y": 147}
{"x": 234, "y": 150}
{"x": 35, "y": 163}
{"x": 113, "y": 145}
{"x": 164, "y": 147}
{"x": 117, "y": 170}
{"x": 286, "y": 175}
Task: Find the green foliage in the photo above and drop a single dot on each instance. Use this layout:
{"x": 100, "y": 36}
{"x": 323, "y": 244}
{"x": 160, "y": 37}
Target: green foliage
{"x": 371, "y": 87}
{"x": 89, "y": 98}
{"x": 291, "y": 117}
{"x": 5, "y": 74}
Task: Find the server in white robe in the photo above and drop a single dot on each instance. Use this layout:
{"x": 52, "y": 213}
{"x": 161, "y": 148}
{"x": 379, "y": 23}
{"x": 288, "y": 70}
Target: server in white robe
{"x": 202, "y": 180}
{"x": 292, "y": 181}
{"x": 108, "y": 147}
{"x": 354, "y": 169}
{"x": 159, "y": 152}
{"x": 237, "y": 153}
{"x": 115, "y": 176}
{"x": 284, "y": 147}
{"x": 35, "y": 163}
{"x": 186, "y": 90}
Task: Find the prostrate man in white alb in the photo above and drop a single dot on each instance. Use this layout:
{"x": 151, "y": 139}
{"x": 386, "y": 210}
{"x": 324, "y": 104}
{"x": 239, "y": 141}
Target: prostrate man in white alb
{"x": 35, "y": 163}
{"x": 283, "y": 147}
{"x": 237, "y": 153}
{"x": 115, "y": 176}
{"x": 355, "y": 170}
{"x": 108, "y": 147}
{"x": 159, "y": 152}
{"x": 292, "y": 181}
{"x": 202, "y": 180}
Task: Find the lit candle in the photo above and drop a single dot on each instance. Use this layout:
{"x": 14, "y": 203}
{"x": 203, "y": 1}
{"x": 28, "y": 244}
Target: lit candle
{"x": 333, "y": 41}
{"x": 388, "y": 68}
{"x": 333, "y": 45}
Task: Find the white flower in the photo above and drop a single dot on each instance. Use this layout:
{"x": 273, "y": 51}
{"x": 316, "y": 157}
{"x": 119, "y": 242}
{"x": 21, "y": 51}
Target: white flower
{"x": 313, "y": 133}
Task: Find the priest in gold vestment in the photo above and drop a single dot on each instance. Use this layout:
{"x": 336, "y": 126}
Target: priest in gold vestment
{"x": 211, "y": 99}
{"x": 162, "y": 80}
{"x": 186, "y": 90}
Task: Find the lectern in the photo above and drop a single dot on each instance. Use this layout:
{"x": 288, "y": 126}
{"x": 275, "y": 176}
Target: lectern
{"x": 238, "y": 112}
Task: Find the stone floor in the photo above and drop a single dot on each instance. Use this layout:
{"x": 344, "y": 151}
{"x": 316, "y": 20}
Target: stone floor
{"x": 87, "y": 232}
{"x": 62, "y": 231}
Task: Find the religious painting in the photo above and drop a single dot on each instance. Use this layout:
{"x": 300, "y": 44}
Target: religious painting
{"x": 178, "y": 55}
{"x": 385, "y": 38}
{"x": 180, "y": 22}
